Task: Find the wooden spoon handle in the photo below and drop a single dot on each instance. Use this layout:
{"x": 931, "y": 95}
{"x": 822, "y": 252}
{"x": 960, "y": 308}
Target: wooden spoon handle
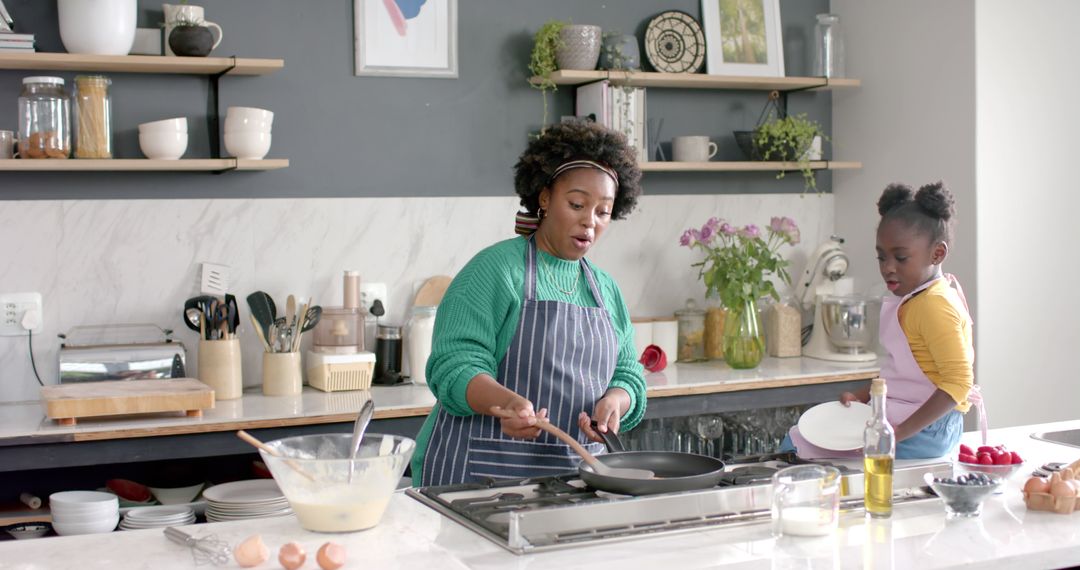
{"x": 256, "y": 443}
{"x": 562, "y": 435}
{"x": 1075, "y": 466}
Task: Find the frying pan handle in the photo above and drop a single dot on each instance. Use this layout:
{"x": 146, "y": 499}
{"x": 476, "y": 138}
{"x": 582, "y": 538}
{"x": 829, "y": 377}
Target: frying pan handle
{"x": 611, "y": 439}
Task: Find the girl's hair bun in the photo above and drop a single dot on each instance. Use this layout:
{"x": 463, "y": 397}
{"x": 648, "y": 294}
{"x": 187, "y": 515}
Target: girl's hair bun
{"x": 895, "y": 195}
{"x": 936, "y": 201}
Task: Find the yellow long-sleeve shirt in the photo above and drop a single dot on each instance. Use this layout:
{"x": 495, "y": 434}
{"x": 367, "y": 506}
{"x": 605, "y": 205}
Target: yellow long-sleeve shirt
{"x": 939, "y": 335}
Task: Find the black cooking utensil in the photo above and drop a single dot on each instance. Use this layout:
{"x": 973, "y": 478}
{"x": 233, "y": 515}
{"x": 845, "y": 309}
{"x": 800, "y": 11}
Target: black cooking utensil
{"x": 262, "y": 307}
{"x": 312, "y": 318}
{"x": 202, "y": 304}
{"x": 234, "y": 312}
{"x": 675, "y": 471}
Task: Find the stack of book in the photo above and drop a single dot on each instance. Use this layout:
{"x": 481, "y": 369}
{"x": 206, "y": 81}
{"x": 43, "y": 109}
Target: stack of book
{"x": 616, "y": 107}
{"x": 11, "y": 42}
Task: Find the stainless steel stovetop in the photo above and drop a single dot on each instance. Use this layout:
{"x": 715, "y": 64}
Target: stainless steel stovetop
{"x": 546, "y": 513}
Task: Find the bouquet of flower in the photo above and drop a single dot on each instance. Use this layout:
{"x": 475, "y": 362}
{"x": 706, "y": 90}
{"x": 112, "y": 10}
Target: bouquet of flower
{"x": 739, "y": 261}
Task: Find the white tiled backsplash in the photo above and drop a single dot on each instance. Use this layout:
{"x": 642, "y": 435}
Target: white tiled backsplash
{"x": 135, "y": 261}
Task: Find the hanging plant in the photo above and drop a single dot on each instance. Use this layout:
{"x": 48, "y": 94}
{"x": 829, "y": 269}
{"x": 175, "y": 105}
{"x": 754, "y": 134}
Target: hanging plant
{"x": 542, "y": 61}
{"x": 780, "y": 137}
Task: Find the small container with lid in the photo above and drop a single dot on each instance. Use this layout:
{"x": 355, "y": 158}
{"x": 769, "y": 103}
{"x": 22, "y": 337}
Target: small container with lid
{"x": 340, "y": 331}
{"x": 691, "y": 332}
{"x": 420, "y": 328}
{"x": 44, "y": 118}
{"x": 388, "y": 355}
{"x": 93, "y": 117}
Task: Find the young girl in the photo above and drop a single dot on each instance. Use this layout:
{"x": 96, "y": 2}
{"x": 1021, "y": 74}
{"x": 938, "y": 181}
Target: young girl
{"x": 925, "y": 327}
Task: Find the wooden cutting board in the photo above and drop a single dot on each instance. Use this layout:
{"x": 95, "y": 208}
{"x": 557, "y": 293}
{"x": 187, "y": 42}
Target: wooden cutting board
{"x": 67, "y": 402}
{"x": 431, "y": 292}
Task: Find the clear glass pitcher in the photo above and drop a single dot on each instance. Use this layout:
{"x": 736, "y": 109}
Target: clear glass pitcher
{"x": 806, "y": 500}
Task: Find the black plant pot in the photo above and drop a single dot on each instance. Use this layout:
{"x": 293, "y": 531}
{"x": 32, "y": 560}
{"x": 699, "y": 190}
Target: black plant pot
{"x": 752, "y": 151}
{"x": 191, "y": 41}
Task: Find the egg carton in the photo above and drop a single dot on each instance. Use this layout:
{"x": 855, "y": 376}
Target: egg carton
{"x": 1048, "y": 502}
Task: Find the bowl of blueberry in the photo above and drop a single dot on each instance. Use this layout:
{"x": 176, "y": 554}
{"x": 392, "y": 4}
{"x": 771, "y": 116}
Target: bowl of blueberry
{"x": 963, "y": 494}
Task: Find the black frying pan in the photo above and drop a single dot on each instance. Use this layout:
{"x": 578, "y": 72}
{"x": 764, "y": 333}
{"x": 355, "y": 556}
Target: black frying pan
{"x": 674, "y": 471}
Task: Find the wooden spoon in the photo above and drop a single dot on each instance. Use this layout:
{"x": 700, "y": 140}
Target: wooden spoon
{"x": 255, "y": 442}
{"x": 596, "y": 464}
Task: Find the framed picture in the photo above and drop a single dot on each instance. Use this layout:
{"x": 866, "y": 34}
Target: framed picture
{"x": 743, "y": 37}
{"x": 406, "y": 38}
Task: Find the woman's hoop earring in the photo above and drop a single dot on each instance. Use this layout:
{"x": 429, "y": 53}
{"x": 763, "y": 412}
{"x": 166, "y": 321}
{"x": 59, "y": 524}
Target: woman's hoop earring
{"x": 540, "y": 213}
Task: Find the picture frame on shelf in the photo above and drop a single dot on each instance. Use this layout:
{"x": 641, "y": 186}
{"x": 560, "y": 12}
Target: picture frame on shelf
{"x": 406, "y": 38}
{"x": 743, "y": 37}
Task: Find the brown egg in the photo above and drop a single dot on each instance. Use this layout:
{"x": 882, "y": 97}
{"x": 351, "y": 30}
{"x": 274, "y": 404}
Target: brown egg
{"x": 1061, "y": 487}
{"x": 251, "y": 552}
{"x": 331, "y": 556}
{"x": 1037, "y": 485}
{"x": 292, "y": 556}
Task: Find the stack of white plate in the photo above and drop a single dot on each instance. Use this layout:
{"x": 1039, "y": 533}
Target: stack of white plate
{"x": 157, "y": 517}
{"x": 239, "y": 500}
{"x": 83, "y": 512}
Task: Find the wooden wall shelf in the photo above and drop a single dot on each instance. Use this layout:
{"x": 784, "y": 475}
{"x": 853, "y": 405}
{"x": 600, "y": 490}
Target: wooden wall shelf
{"x": 140, "y": 64}
{"x": 743, "y": 166}
{"x": 699, "y": 80}
{"x": 141, "y": 165}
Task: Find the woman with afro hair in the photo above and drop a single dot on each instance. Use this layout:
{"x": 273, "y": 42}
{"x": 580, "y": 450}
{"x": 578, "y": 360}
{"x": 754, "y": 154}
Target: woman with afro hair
{"x": 529, "y": 331}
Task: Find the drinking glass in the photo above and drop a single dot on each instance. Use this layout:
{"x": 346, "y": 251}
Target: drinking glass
{"x": 806, "y": 500}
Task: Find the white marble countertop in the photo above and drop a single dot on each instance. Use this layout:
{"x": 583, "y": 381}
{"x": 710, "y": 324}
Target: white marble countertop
{"x": 24, "y": 423}
{"x": 412, "y": 536}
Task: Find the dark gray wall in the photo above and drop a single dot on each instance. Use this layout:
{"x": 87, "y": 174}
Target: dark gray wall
{"x": 374, "y": 136}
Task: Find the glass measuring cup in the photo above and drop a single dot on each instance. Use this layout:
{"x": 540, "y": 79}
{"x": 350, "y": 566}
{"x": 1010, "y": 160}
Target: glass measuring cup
{"x": 806, "y": 500}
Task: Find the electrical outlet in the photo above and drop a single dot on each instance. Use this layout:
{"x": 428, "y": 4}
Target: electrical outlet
{"x": 369, "y": 292}
{"x": 13, "y": 307}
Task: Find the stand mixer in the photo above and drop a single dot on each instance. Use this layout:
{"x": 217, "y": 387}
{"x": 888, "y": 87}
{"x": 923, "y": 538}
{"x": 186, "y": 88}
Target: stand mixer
{"x": 841, "y": 327}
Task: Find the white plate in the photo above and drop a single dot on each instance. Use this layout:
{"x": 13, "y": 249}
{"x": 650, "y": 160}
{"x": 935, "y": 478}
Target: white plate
{"x": 834, "y": 426}
{"x": 154, "y": 513}
{"x": 244, "y": 492}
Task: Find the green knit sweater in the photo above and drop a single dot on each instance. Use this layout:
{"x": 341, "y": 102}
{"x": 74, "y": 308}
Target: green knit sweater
{"x": 479, "y": 316}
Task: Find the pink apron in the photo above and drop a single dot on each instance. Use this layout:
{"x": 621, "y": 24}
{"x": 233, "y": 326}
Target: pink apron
{"x": 908, "y": 386}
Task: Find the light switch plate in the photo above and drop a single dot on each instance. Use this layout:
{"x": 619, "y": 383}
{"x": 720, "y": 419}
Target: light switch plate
{"x": 12, "y": 308}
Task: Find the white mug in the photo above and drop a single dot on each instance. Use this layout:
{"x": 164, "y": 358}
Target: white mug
{"x": 190, "y": 14}
{"x": 692, "y": 149}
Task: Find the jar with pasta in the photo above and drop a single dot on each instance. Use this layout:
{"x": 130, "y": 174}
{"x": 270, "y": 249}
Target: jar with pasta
{"x": 691, "y": 332}
{"x": 44, "y": 118}
{"x": 714, "y": 328}
{"x": 93, "y": 117}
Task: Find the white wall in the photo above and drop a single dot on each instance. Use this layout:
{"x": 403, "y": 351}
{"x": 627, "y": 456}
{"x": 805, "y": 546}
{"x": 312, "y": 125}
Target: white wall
{"x": 117, "y": 261}
{"x": 1028, "y": 204}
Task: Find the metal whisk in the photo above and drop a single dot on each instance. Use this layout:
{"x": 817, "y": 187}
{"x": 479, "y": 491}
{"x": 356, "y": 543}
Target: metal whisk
{"x": 205, "y": 550}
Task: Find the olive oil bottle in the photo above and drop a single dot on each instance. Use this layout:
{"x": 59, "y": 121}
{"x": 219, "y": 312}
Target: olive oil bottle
{"x": 878, "y": 452}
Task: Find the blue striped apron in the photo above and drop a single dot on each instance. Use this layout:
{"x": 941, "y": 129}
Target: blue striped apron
{"x": 561, "y": 358}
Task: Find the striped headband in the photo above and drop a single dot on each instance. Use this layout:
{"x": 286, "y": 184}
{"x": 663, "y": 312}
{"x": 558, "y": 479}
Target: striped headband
{"x": 583, "y": 164}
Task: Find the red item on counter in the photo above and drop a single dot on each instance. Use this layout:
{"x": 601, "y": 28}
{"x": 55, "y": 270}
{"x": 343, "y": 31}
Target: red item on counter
{"x": 653, "y": 358}
{"x": 129, "y": 490}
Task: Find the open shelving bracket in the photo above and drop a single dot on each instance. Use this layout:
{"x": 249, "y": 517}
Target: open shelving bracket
{"x": 213, "y": 111}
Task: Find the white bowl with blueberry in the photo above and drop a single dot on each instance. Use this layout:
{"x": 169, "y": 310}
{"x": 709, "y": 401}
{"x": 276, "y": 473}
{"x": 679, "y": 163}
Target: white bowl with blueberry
{"x": 963, "y": 494}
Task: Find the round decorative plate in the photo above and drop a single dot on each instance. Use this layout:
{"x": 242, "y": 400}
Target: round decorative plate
{"x": 674, "y": 43}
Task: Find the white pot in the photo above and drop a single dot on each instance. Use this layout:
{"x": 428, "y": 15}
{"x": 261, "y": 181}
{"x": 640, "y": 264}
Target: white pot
{"x": 99, "y": 27}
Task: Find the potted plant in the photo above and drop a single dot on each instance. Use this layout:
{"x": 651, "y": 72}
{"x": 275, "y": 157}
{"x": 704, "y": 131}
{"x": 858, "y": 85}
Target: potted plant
{"x": 190, "y": 37}
{"x": 737, "y": 266}
{"x": 789, "y": 139}
{"x": 542, "y": 62}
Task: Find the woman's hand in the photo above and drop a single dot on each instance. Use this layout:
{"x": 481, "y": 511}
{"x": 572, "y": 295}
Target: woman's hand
{"x": 518, "y": 418}
{"x": 847, "y": 398}
{"x": 607, "y": 412}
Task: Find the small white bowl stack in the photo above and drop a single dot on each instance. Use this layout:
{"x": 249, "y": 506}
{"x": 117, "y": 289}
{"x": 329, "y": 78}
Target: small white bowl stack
{"x": 247, "y": 132}
{"x": 84, "y": 512}
{"x": 157, "y": 517}
{"x": 164, "y": 140}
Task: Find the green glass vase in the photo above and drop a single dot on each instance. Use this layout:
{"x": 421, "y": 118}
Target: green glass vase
{"x": 744, "y": 343}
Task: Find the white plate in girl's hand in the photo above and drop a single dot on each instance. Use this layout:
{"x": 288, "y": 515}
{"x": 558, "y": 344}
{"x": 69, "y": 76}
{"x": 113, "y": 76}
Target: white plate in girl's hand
{"x": 835, "y": 426}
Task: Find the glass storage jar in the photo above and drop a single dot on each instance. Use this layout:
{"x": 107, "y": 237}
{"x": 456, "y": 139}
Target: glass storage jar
{"x": 691, "y": 332}
{"x": 714, "y": 328}
{"x": 419, "y": 330}
{"x": 388, "y": 355}
{"x": 828, "y": 47}
{"x": 93, "y": 117}
{"x": 44, "y": 118}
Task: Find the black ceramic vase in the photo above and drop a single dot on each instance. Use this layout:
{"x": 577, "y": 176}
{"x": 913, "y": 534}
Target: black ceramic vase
{"x": 191, "y": 41}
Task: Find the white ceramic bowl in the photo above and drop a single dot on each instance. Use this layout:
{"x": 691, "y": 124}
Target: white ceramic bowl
{"x": 163, "y": 145}
{"x": 243, "y": 124}
{"x": 64, "y": 528}
{"x": 176, "y": 495}
{"x": 250, "y": 113}
{"x": 248, "y": 145}
{"x": 83, "y": 518}
{"x": 177, "y": 125}
{"x": 82, "y": 498}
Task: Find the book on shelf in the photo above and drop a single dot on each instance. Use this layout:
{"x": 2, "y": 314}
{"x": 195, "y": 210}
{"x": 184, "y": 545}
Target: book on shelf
{"x": 16, "y": 43}
{"x": 620, "y": 108}
{"x": 12, "y": 36}
{"x": 29, "y": 49}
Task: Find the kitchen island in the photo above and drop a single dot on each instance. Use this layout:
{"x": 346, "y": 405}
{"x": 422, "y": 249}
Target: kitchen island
{"x": 411, "y": 535}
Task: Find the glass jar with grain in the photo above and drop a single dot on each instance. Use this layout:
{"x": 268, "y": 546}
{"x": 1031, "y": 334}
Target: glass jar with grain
{"x": 691, "y": 332}
{"x": 44, "y": 118}
{"x": 714, "y": 328}
{"x": 93, "y": 117}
